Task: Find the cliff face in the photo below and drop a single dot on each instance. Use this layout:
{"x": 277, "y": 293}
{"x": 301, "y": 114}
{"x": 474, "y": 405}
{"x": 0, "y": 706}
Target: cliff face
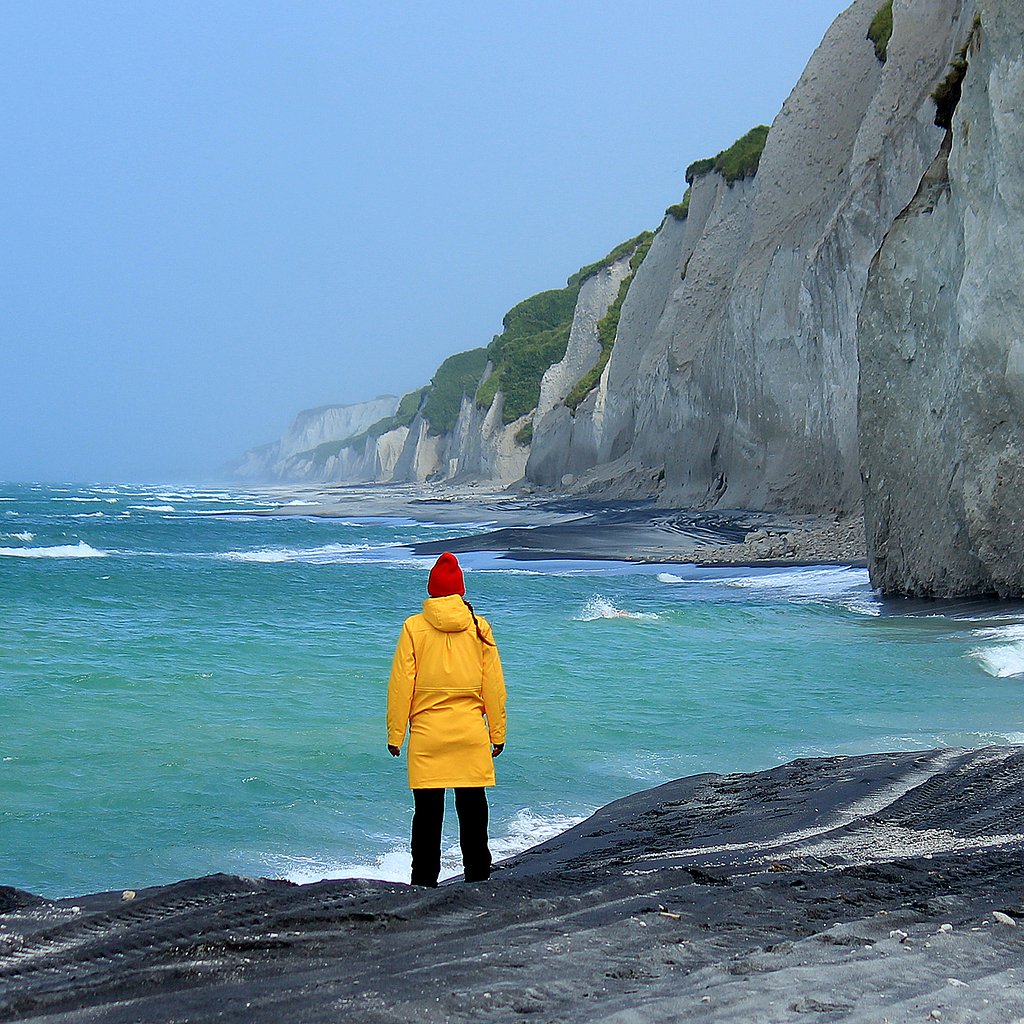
{"x": 942, "y": 348}
{"x": 551, "y": 453}
{"x": 292, "y": 457}
{"x": 845, "y": 301}
{"x": 733, "y": 379}
{"x": 479, "y": 447}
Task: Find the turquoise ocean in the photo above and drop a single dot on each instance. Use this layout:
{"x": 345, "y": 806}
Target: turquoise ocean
{"x": 186, "y": 688}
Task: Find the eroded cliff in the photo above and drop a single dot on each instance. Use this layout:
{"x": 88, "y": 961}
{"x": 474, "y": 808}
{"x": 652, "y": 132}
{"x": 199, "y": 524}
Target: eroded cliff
{"x": 733, "y": 379}
{"x": 293, "y": 457}
{"x": 942, "y": 346}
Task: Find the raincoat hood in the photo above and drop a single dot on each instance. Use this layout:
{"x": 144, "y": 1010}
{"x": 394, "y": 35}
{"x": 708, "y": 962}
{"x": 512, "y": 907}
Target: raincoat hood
{"x": 448, "y": 614}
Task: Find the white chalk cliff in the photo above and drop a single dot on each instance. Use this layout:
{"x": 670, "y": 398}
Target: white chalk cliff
{"x": 942, "y": 347}
{"x": 836, "y": 325}
{"x": 733, "y": 380}
{"x": 299, "y": 454}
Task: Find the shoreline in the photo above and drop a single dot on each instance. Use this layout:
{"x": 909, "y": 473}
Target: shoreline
{"x": 534, "y": 526}
{"x": 861, "y": 888}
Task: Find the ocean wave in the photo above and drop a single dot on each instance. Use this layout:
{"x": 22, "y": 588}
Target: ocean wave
{"x": 154, "y": 508}
{"x": 109, "y": 501}
{"x": 1003, "y": 662}
{"x": 1003, "y": 659}
{"x": 88, "y": 515}
{"x": 844, "y": 586}
{"x": 79, "y": 550}
{"x": 221, "y": 511}
{"x": 24, "y": 535}
{"x": 324, "y": 554}
{"x": 1013, "y": 630}
{"x": 671, "y": 577}
{"x": 212, "y": 497}
{"x": 599, "y": 607}
{"x": 525, "y": 830}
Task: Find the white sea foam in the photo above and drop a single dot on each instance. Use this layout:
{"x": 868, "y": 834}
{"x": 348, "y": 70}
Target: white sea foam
{"x": 1003, "y": 658}
{"x": 844, "y": 586}
{"x": 154, "y": 508}
{"x": 1004, "y": 661}
{"x": 24, "y": 535}
{"x": 599, "y": 607}
{"x": 88, "y": 515}
{"x": 325, "y": 554}
{"x": 304, "y": 504}
{"x": 1012, "y": 631}
{"x": 526, "y": 829}
{"x": 109, "y": 501}
{"x": 79, "y": 550}
{"x": 670, "y": 577}
{"x": 222, "y": 511}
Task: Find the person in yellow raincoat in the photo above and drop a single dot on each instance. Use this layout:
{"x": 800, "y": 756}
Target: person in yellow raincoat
{"x": 447, "y": 687}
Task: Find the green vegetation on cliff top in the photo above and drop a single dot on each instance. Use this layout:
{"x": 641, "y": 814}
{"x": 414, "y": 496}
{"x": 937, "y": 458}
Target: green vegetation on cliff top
{"x": 739, "y": 161}
{"x": 681, "y": 209}
{"x": 456, "y": 377}
{"x": 880, "y": 30}
{"x": 535, "y": 335}
{"x": 623, "y": 249}
{"x": 608, "y": 326}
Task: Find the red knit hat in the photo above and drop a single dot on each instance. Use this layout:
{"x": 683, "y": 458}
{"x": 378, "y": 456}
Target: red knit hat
{"x": 446, "y": 577}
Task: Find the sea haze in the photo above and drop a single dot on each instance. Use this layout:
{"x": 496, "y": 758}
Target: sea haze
{"x": 188, "y": 689}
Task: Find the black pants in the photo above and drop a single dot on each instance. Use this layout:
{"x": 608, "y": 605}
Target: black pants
{"x": 471, "y": 807}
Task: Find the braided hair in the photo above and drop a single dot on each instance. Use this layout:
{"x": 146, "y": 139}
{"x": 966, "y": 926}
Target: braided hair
{"x": 476, "y": 622}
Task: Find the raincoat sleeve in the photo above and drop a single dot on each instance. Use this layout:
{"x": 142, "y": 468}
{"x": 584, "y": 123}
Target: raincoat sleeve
{"x": 493, "y": 687}
{"x": 400, "y": 687}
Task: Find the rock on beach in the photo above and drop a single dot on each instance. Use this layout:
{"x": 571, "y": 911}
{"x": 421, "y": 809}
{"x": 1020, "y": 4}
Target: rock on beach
{"x": 846, "y": 888}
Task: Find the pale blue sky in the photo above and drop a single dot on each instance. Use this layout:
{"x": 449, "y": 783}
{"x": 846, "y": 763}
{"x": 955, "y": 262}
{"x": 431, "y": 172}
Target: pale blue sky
{"x": 219, "y": 213}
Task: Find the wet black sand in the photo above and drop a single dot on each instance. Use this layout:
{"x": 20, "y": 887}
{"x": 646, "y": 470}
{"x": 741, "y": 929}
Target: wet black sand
{"x": 852, "y": 889}
{"x": 545, "y": 527}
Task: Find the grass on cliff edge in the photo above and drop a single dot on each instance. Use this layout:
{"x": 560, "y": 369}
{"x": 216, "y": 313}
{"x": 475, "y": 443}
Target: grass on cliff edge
{"x": 608, "y": 326}
{"x": 535, "y": 336}
{"x": 739, "y": 161}
{"x": 456, "y": 377}
{"x": 880, "y": 30}
{"x": 681, "y": 209}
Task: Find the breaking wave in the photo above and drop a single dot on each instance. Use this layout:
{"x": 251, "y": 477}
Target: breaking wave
{"x": 526, "y": 829}
{"x": 79, "y": 550}
{"x": 844, "y": 586}
{"x": 599, "y": 607}
{"x": 1004, "y": 658}
{"x": 109, "y": 501}
{"x": 323, "y": 555}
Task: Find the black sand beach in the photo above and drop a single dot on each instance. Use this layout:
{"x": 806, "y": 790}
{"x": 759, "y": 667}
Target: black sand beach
{"x": 532, "y": 526}
{"x": 885, "y": 887}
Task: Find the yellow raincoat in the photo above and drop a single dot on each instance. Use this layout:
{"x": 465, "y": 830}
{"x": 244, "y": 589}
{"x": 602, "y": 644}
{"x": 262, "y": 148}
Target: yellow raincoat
{"x": 444, "y": 680}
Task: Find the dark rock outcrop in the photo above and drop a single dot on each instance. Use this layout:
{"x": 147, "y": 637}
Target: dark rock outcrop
{"x": 855, "y": 887}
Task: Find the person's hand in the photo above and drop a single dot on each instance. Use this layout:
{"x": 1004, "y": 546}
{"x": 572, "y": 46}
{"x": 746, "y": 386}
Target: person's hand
{"x": 497, "y": 749}
{"x": 393, "y": 750}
